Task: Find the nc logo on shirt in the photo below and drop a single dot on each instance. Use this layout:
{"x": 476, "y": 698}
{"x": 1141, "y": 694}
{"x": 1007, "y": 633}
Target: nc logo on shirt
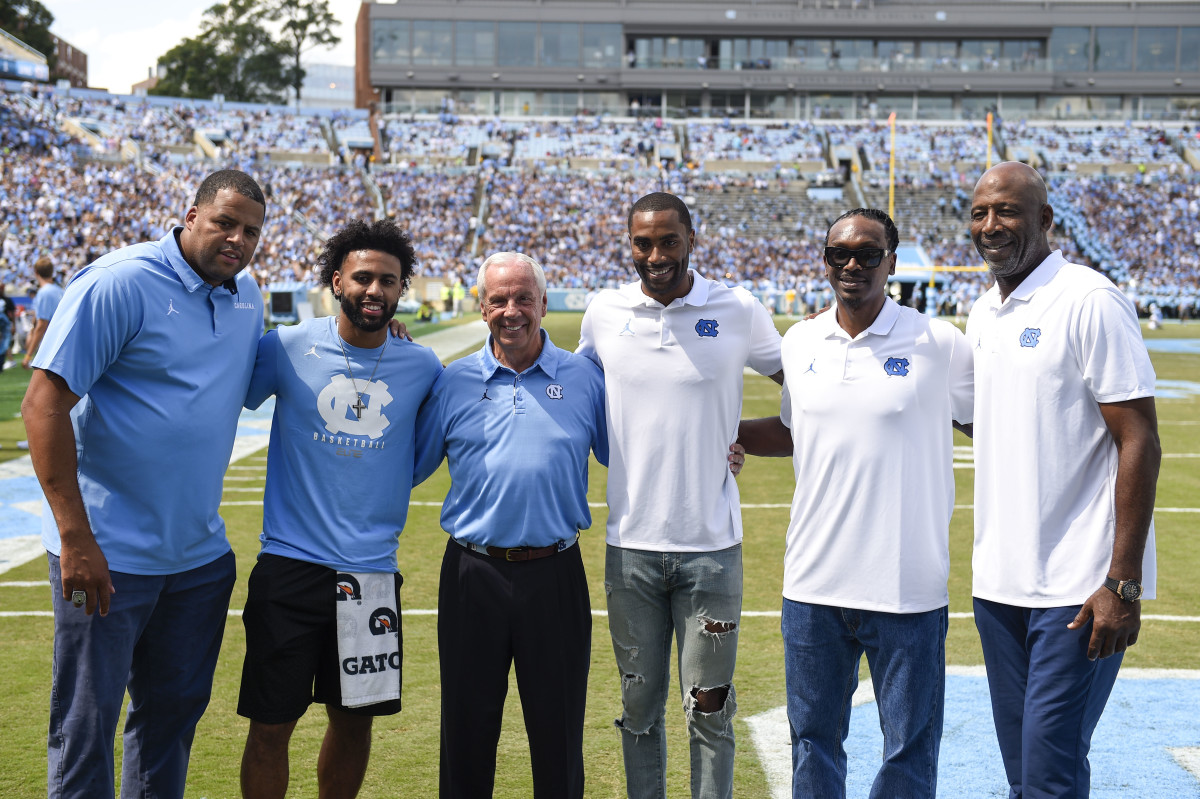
{"x": 896, "y": 367}
{"x": 348, "y": 588}
{"x": 337, "y": 401}
{"x": 706, "y": 327}
{"x": 1029, "y": 338}
{"x": 554, "y": 391}
{"x": 384, "y": 621}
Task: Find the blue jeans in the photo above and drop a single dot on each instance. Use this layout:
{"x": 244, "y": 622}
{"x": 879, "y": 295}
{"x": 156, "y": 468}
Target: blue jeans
{"x": 698, "y": 597}
{"x": 1047, "y": 696}
{"x": 907, "y": 654}
{"x": 160, "y": 641}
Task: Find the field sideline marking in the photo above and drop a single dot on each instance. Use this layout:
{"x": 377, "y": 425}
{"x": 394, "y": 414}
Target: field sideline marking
{"x": 752, "y": 614}
{"x": 768, "y": 506}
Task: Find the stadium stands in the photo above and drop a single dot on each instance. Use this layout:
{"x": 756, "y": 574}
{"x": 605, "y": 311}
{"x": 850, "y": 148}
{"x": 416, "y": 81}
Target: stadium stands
{"x": 99, "y": 171}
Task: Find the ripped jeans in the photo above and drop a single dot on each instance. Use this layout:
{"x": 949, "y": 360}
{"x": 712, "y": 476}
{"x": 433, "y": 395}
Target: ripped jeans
{"x": 698, "y": 596}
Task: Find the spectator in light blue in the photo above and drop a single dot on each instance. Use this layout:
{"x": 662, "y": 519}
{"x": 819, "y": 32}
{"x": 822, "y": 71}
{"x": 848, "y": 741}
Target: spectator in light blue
{"x": 45, "y": 303}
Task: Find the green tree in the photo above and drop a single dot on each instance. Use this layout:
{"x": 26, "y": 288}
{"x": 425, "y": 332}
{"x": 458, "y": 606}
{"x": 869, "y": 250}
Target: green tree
{"x": 30, "y": 21}
{"x": 234, "y": 55}
{"x": 304, "y": 24}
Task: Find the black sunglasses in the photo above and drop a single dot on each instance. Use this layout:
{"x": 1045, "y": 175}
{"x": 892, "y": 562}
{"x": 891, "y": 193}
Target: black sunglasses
{"x": 867, "y": 257}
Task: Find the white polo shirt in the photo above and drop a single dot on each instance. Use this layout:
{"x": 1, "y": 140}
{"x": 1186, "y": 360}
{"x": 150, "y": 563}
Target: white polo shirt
{"x": 871, "y": 420}
{"x": 673, "y": 382}
{"x": 1045, "y": 464}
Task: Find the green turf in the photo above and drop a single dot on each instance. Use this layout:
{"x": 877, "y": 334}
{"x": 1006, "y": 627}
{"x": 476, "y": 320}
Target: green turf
{"x": 405, "y": 747}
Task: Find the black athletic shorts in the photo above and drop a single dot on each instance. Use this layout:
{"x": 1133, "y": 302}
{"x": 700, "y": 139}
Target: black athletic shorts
{"x": 291, "y": 643}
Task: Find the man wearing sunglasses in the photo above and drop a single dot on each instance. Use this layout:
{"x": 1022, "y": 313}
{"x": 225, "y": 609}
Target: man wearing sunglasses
{"x": 870, "y": 393}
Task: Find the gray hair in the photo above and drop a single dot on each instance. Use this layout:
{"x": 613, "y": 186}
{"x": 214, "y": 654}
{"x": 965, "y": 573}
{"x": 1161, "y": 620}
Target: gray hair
{"x": 503, "y": 257}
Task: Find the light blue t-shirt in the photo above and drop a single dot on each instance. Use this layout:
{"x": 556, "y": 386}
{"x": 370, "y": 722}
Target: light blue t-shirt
{"x": 46, "y": 301}
{"x": 338, "y": 485}
{"x": 517, "y": 445}
{"x": 161, "y": 361}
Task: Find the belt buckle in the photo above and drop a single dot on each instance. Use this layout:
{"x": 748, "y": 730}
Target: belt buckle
{"x": 508, "y": 553}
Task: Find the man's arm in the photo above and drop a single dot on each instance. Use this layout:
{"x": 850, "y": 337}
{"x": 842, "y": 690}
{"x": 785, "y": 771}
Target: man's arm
{"x": 1134, "y": 426}
{"x": 768, "y": 438}
{"x": 46, "y": 410}
{"x": 35, "y": 339}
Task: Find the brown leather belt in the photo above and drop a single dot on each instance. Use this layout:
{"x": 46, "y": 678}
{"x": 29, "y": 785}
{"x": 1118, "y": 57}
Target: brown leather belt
{"x": 518, "y": 554}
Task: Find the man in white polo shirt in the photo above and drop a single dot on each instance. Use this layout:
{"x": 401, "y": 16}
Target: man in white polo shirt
{"x": 871, "y": 394}
{"x": 1066, "y": 462}
{"x": 673, "y": 348}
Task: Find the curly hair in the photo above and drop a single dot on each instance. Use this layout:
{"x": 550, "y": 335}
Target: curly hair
{"x": 889, "y": 227}
{"x": 382, "y": 235}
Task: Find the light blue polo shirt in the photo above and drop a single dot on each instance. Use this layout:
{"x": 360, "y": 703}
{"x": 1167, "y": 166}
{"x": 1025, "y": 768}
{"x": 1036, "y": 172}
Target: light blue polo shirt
{"x": 46, "y": 301}
{"x": 517, "y": 445}
{"x": 338, "y": 481}
{"x": 161, "y": 361}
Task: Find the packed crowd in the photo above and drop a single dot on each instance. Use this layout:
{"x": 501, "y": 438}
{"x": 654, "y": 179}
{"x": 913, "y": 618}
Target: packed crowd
{"x": 58, "y": 201}
{"x": 1066, "y": 147}
{"x": 798, "y": 141}
{"x": 1155, "y": 263}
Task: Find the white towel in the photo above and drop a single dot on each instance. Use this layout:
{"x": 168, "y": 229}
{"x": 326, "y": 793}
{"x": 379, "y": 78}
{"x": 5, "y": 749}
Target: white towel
{"x": 368, "y": 631}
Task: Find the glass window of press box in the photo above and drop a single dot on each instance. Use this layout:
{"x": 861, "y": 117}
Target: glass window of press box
{"x": 485, "y": 44}
{"x": 1189, "y": 49}
{"x": 1114, "y": 49}
{"x": 1069, "y": 49}
{"x": 1156, "y": 49}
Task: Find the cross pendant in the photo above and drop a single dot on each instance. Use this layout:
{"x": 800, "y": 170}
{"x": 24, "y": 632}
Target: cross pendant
{"x": 358, "y": 407}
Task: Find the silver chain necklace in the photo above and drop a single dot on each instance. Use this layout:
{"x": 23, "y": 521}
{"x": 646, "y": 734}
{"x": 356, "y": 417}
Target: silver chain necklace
{"x": 358, "y": 403}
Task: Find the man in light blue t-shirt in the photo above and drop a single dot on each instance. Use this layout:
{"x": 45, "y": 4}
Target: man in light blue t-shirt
{"x": 45, "y": 303}
{"x": 146, "y": 361}
{"x": 339, "y": 472}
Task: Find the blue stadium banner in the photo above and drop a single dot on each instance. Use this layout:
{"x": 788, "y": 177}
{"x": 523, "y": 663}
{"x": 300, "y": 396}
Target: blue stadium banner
{"x": 25, "y": 70}
{"x": 566, "y": 299}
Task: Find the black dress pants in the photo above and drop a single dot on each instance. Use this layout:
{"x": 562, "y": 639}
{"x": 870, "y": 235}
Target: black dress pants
{"x": 491, "y": 614}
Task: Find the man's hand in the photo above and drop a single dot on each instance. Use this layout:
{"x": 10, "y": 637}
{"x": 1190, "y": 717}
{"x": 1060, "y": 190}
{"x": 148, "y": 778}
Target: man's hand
{"x": 399, "y": 329}
{"x": 26, "y": 360}
{"x": 84, "y": 568}
{"x": 1115, "y": 623}
{"x": 736, "y": 458}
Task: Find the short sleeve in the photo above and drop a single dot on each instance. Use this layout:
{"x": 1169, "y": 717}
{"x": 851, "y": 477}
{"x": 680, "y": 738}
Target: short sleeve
{"x": 962, "y": 378}
{"x": 430, "y": 447}
{"x": 264, "y": 381}
{"x": 765, "y": 341}
{"x": 1112, "y": 355}
{"x": 97, "y": 317}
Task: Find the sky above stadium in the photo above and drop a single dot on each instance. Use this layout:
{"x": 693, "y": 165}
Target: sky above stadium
{"x": 124, "y": 38}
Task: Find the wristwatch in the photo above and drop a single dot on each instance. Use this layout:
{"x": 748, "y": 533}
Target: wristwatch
{"x": 1128, "y": 590}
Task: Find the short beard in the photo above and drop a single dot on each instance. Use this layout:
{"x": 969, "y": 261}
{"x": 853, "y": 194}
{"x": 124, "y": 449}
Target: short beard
{"x": 351, "y": 312}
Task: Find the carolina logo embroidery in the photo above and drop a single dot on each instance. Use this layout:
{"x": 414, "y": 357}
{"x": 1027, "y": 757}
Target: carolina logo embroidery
{"x": 348, "y": 588}
{"x": 1030, "y": 337}
{"x": 171, "y": 308}
{"x": 896, "y": 367}
{"x": 384, "y": 621}
{"x": 339, "y": 398}
{"x": 706, "y": 327}
{"x": 554, "y": 391}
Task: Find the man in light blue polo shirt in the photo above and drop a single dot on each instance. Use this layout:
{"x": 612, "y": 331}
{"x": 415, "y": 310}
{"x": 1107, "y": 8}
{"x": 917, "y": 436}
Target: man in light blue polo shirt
{"x": 45, "y": 303}
{"x": 516, "y": 422}
{"x": 131, "y": 417}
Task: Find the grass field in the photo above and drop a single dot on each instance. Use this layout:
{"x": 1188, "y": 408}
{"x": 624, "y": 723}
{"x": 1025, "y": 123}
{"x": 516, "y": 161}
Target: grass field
{"x": 404, "y": 760}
